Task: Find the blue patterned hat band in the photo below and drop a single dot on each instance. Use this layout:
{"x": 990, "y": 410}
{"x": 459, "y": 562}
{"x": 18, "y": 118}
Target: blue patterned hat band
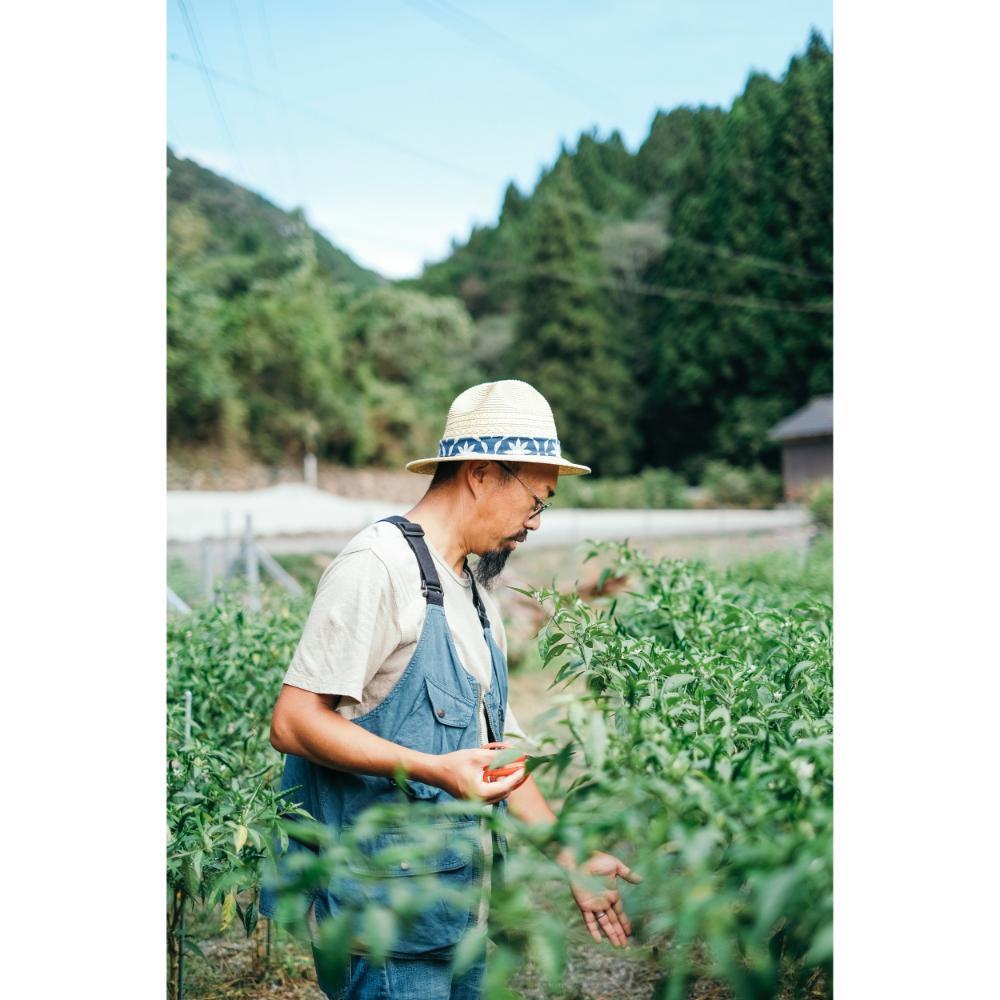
{"x": 505, "y": 447}
{"x": 506, "y": 419}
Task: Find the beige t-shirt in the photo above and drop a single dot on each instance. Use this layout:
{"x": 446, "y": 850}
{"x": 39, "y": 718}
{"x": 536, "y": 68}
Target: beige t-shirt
{"x": 367, "y": 616}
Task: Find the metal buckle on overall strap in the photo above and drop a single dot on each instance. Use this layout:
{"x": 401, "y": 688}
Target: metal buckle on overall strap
{"x": 410, "y": 529}
{"x": 427, "y": 587}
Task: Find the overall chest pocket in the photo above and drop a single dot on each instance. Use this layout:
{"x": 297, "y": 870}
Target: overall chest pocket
{"x": 449, "y": 708}
{"x": 438, "y": 723}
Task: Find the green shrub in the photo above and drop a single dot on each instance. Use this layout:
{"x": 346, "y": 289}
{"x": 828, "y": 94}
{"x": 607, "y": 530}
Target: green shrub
{"x": 730, "y": 486}
{"x": 705, "y": 760}
{"x": 821, "y": 503}
{"x": 223, "y": 805}
{"x": 652, "y": 489}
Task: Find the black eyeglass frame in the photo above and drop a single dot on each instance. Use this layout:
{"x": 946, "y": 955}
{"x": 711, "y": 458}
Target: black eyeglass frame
{"x": 540, "y": 505}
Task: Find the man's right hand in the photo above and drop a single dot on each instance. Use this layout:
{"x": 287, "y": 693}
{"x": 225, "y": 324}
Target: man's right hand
{"x": 306, "y": 724}
{"x": 460, "y": 774}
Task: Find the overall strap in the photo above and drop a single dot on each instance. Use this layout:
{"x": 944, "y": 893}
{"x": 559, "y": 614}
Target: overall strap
{"x": 484, "y": 619}
{"x": 430, "y": 583}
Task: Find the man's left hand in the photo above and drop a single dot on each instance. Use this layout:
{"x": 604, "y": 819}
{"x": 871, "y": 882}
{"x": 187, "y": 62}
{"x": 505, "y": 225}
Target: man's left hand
{"x": 603, "y": 911}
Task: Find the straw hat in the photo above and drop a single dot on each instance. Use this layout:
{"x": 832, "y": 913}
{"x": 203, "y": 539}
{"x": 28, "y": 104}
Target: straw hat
{"x": 502, "y": 420}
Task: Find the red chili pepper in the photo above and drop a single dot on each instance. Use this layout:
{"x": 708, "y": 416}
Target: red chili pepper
{"x": 494, "y": 774}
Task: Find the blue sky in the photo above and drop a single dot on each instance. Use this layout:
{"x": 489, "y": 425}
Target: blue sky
{"x": 396, "y": 124}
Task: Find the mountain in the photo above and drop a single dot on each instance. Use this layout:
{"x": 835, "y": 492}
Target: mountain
{"x": 237, "y": 222}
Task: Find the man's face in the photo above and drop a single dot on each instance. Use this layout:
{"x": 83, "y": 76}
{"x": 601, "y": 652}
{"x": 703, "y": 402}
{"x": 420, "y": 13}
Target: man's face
{"x": 510, "y": 512}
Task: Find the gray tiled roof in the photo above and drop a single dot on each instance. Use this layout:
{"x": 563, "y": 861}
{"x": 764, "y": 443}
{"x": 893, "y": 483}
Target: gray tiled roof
{"x": 813, "y": 420}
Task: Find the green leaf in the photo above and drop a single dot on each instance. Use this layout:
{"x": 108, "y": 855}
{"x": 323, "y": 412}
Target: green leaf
{"x": 192, "y": 947}
{"x": 549, "y": 951}
{"x": 249, "y": 917}
{"x": 597, "y": 740}
{"x": 676, "y": 681}
{"x": 821, "y": 949}
{"x": 228, "y": 910}
{"x": 333, "y": 947}
{"x": 506, "y": 756}
{"x": 774, "y": 892}
{"x": 469, "y": 950}
{"x": 378, "y": 930}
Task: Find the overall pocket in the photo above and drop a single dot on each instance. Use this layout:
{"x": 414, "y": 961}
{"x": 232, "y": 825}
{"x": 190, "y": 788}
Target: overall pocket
{"x": 425, "y": 875}
{"x": 437, "y": 725}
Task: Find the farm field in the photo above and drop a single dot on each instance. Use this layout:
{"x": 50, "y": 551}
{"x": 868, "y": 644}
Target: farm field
{"x": 690, "y": 735}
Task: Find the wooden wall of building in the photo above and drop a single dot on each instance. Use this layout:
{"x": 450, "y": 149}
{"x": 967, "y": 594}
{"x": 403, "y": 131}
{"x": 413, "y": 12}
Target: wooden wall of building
{"x": 804, "y": 462}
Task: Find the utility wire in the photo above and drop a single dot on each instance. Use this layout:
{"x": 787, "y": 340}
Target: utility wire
{"x": 822, "y": 307}
{"x": 289, "y": 145}
{"x": 479, "y": 33}
{"x": 372, "y": 137}
{"x": 192, "y": 34}
{"x": 262, "y": 109}
{"x": 668, "y": 292}
{"x": 751, "y": 259}
{"x": 628, "y": 287}
{"x": 345, "y": 126}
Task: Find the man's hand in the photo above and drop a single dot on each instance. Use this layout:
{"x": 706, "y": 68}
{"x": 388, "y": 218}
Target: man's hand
{"x": 460, "y": 774}
{"x": 604, "y": 909}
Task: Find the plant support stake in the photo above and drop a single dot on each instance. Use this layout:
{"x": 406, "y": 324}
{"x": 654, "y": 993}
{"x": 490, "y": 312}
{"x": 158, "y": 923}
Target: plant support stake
{"x": 253, "y": 568}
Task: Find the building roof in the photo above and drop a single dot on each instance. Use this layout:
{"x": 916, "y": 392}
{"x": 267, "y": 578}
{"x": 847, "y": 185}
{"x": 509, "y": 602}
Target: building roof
{"x": 815, "y": 419}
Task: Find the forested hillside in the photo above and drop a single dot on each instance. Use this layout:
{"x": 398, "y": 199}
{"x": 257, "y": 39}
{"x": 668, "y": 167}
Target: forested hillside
{"x": 675, "y": 303}
{"x": 278, "y": 343}
{"x": 672, "y": 303}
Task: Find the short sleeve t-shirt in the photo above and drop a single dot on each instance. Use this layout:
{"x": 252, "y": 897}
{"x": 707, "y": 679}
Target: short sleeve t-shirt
{"x": 367, "y": 616}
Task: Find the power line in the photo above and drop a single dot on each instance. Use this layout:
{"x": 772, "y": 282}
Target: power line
{"x": 289, "y": 145}
{"x": 325, "y": 117}
{"x": 764, "y": 262}
{"x": 479, "y": 33}
{"x": 628, "y": 287}
{"x": 193, "y": 34}
{"x": 372, "y": 137}
{"x": 668, "y": 292}
{"x": 248, "y": 64}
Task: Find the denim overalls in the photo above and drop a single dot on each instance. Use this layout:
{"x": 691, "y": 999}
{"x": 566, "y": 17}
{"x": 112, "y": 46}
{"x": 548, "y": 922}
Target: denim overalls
{"x": 433, "y": 708}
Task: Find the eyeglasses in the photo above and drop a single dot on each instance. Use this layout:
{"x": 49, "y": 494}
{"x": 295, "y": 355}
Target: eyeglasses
{"x": 540, "y": 505}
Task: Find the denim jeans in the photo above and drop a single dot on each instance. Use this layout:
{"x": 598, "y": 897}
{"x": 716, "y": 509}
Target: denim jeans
{"x": 406, "y": 979}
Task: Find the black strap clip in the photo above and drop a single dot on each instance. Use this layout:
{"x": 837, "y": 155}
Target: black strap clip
{"x": 426, "y": 587}
{"x": 411, "y": 530}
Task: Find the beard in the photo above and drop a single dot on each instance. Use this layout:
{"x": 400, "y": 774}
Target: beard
{"x": 491, "y": 563}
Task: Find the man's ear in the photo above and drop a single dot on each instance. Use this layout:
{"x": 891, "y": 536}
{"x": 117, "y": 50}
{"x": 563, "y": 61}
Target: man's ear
{"x": 476, "y": 476}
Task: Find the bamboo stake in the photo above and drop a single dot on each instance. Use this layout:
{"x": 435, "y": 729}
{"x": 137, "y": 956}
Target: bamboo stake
{"x": 252, "y": 566}
{"x": 206, "y": 572}
{"x": 278, "y": 572}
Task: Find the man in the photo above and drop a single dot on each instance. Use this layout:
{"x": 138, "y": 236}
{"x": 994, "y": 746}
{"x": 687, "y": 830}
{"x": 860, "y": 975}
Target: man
{"x": 402, "y": 665}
